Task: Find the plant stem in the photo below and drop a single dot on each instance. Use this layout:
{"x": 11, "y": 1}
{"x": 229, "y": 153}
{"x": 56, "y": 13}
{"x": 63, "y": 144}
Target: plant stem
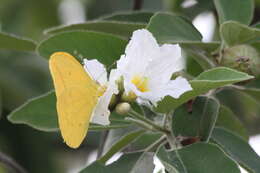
{"x": 154, "y": 145}
{"x": 134, "y": 114}
{"x": 11, "y": 163}
{"x": 222, "y": 46}
{"x": 138, "y": 4}
{"x": 170, "y": 136}
{"x": 141, "y": 123}
{"x": 172, "y": 141}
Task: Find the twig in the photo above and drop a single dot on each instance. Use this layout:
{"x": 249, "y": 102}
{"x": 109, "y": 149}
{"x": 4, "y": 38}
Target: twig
{"x": 138, "y": 4}
{"x": 8, "y": 161}
{"x": 170, "y": 135}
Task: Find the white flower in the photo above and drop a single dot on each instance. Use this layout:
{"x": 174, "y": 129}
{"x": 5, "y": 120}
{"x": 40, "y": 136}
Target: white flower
{"x": 98, "y": 73}
{"x": 147, "y": 68}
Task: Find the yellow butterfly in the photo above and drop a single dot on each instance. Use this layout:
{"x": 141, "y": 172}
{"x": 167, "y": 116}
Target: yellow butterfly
{"x": 77, "y": 95}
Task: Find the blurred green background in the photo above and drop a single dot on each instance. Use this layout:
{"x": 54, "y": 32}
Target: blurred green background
{"x": 24, "y": 75}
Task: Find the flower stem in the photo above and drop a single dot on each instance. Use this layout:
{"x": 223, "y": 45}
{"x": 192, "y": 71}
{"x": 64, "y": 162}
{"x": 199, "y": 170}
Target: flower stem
{"x": 134, "y": 114}
{"x": 141, "y": 123}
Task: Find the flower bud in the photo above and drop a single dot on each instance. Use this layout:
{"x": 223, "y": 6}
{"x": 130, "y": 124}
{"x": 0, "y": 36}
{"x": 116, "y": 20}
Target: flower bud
{"x": 120, "y": 84}
{"x": 243, "y": 58}
{"x": 128, "y": 97}
{"x": 113, "y": 101}
{"x": 123, "y": 108}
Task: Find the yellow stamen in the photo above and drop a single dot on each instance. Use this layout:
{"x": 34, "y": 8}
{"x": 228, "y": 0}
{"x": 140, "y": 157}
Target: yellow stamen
{"x": 141, "y": 83}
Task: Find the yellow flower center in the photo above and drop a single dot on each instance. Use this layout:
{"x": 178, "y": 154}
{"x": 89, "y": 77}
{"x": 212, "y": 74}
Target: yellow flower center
{"x": 141, "y": 83}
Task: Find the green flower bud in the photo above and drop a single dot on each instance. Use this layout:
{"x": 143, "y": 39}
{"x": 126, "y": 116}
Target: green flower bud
{"x": 120, "y": 84}
{"x": 243, "y": 58}
{"x": 128, "y": 97}
{"x": 123, "y": 108}
{"x": 113, "y": 101}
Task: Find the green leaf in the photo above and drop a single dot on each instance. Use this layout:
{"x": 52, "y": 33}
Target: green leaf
{"x": 82, "y": 44}
{"x": 197, "y": 158}
{"x": 112, "y": 27}
{"x": 40, "y": 113}
{"x": 11, "y": 42}
{"x": 128, "y": 163}
{"x": 243, "y": 105}
{"x": 252, "y": 89}
{"x": 228, "y": 120}
{"x": 198, "y": 123}
{"x": 202, "y": 46}
{"x": 237, "y": 10}
{"x": 207, "y": 80}
{"x": 234, "y": 33}
{"x": 253, "y": 92}
{"x": 136, "y": 17}
{"x": 145, "y": 140}
{"x": 144, "y": 164}
{"x": 193, "y": 68}
{"x": 238, "y": 149}
{"x": 201, "y": 52}
{"x": 120, "y": 144}
{"x": 115, "y": 135}
{"x": 170, "y": 28}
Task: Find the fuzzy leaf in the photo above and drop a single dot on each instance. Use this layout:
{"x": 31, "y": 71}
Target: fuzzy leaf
{"x": 237, "y": 10}
{"x": 238, "y": 149}
{"x": 82, "y": 44}
{"x": 197, "y": 158}
{"x": 136, "y": 17}
{"x": 128, "y": 163}
{"x": 198, "y": 123}
{"x": 11, "y": 42}
{"x": 228, "y": 120}
{"x": 234, "y": 33}
{"x": 169, "y": 28}
{"x": 112, "y": 27}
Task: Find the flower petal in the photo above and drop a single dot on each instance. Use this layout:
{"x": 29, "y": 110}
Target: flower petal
{"x": 169, "y": 61}
{"x": 174, "y": 88}
{"x": 96, "y": 70}
{"x": 139, "y": 51}
{"x": 177, "y": 87}
{"x": 101, "y": 113}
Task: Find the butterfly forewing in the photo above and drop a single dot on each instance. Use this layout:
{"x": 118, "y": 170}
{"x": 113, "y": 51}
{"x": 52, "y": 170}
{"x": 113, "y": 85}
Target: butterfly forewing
{"x": 77, "y": 95}
{"x": 66, "y": 72}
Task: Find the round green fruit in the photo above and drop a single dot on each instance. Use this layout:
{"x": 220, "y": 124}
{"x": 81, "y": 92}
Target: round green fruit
{"x": 244, "y": 58}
